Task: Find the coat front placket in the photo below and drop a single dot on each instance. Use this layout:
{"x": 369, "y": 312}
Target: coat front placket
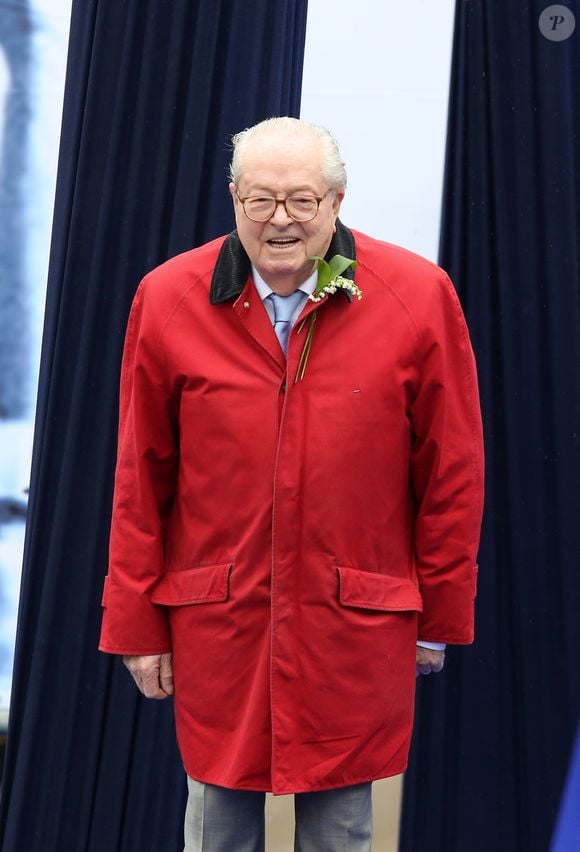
{"x": 286, "y": 520}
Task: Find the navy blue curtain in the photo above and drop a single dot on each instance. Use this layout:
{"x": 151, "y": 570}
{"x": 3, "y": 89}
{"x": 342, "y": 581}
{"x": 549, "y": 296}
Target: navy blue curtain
{"x": 154, "y": 90}
{"x": 494, "y": 733}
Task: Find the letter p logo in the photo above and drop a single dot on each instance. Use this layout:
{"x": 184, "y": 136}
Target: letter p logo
{"x": 557, "y": 23}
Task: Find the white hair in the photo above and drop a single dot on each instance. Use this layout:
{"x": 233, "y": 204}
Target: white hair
{"x": 333, "y": 167}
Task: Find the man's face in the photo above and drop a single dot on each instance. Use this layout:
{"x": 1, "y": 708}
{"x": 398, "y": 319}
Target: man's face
{"x": 280, "y": 247}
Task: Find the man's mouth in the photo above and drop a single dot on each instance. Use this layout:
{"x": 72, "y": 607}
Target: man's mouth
{"x": 282, "y": 242}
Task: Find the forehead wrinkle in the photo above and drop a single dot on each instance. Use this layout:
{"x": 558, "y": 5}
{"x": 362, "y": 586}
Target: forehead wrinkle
{"x": 271, "y": 181}
{"x": 297, "y": 190}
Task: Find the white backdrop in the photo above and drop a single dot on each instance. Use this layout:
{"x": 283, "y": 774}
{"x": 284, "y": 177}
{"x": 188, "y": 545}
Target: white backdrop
{"x": 39, "y": 31}
{"x": 376, "y": 73}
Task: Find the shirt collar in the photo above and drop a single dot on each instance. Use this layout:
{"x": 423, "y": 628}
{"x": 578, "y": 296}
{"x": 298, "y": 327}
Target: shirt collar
{"x": 264, "y": 289}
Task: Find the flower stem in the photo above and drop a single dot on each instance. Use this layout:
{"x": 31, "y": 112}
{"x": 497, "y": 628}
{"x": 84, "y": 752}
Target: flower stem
{"x": 305, "y": 350}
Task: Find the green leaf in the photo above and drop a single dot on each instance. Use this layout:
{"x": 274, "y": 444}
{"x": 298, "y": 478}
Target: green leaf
{"x": 328, "y": 271}
{"x": 339, "y": 264}
{"x": 324, "y": 273}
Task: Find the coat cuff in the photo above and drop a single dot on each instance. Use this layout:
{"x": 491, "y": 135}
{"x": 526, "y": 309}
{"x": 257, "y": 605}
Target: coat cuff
{"x": 131, "y": 623}
{"x": 448, "y": 609}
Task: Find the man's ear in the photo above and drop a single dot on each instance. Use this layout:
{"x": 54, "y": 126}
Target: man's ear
{"x": 337, "y": 200}
{"x": 232, "y": 188}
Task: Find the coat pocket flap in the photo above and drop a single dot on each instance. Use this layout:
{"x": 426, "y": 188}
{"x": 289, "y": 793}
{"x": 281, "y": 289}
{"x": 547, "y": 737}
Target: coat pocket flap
{"x": 367, "y": 590}
{"x": 193, "y": 585}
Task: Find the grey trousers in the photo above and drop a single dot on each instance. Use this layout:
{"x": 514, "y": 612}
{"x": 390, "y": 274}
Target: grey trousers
{"x": 222, "y": 820}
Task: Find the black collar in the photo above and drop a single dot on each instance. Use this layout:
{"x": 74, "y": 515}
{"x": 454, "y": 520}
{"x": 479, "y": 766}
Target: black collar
{"x": 233, "y": 264}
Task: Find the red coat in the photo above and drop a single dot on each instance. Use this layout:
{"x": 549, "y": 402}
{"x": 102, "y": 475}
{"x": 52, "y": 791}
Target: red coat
{"x": 281, "y": 538}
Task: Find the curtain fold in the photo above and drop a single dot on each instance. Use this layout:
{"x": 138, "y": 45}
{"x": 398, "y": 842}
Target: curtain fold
{"x": 494, "y": 732}
{"x": 154, "y": 90}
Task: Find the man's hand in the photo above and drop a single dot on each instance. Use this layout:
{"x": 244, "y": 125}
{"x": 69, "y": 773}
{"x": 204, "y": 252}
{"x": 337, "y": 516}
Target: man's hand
{"x": 152, "y": 674}
{"x": 428, "y": 661}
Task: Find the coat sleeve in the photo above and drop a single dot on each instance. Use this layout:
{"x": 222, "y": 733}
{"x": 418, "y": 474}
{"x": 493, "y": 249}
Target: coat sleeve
{"x": 145, "y": 482}
{"x": 446, "y": 470}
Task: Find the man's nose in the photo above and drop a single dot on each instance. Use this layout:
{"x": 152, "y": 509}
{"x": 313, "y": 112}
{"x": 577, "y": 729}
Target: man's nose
{"x": 280, "y": 215}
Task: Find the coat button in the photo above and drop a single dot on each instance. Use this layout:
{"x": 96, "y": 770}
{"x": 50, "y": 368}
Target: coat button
{"x": 246, "y": 305}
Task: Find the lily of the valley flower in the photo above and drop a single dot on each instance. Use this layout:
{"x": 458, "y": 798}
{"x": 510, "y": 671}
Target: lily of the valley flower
{"x": 338, "y": 283}
{"x": 330, "y": 279}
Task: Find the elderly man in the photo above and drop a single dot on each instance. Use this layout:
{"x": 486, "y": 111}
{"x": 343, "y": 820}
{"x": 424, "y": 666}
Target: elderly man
{"x": 298, "y": 499}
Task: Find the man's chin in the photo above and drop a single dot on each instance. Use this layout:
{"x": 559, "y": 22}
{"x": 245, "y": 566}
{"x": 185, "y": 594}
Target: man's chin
{"x": 286, "y": 276}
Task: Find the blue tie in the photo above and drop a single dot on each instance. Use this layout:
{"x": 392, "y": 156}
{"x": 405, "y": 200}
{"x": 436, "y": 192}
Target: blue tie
{"x": 284, "y": 307}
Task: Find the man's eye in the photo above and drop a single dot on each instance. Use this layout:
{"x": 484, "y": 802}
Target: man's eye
{"x": 302, "y": 200}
